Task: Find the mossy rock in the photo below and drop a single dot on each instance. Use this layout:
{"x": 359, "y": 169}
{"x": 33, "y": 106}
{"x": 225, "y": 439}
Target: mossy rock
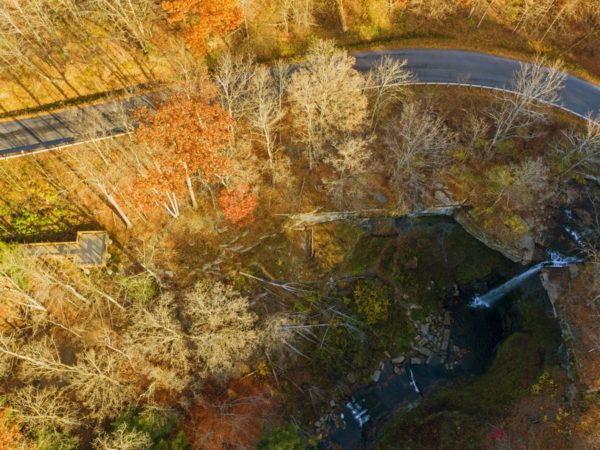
{"x": 365, "y": 255}
{"x": 372, "y": 300}
{"x": 332, "y": 243}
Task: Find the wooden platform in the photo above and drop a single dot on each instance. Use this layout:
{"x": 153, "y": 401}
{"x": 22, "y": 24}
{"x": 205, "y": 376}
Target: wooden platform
{"x": 88, "y": 250}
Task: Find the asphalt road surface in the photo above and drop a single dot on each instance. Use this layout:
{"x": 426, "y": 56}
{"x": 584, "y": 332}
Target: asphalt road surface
{"x": 52, "y": 131}
{"x": 56, "y": 130}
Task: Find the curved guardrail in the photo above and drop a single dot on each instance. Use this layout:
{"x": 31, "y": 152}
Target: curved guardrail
{"x": 493, "y": 88}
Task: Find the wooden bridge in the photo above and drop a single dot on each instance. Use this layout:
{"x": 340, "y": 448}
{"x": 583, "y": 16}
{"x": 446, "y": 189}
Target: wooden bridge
{"x": 88, "y": 250}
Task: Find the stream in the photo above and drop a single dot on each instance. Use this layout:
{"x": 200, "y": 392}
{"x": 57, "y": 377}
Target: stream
{"x": 483, "y": 315}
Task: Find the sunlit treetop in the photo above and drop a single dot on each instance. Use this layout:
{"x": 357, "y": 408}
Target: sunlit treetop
{"x": 203, "y": 19}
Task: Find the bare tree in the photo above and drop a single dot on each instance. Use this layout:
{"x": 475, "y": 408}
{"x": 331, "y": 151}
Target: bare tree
{"x": 485, "y": 12}
{"x": 222, "y": 328}
{"x": 38, "y": 407}
{"x": 159, "y": 346}
{"x": 437, "y": 10}
{"x": 132, "y": 18}
{"x": 111, "y": 161}
{"x": 297, "y": 13}
{"x": 386, "y": 84}
{"x": 38, "y": 358}
{"x": 191, "y": 75}
{"x": 13, "y": 50}
{"x": 281, "y": 77}
{"x": 520, "y": 184}
{"x": 265, "y": 110}
{"x": 327, "y": 98}
{"x": 581, "y": 154}
{"x": 13, "y": 281}
{"x": 123, "y": 439}
{"x": 39, "y": 29}
{"x": 568, "y": 8}
{"x": 45, "y": 290}
{"x": 475, "y": 129}
{"x": 96, "y": 380}
{"x": 232, "y": 76}
{"x": 418, "y": 144}
{"x": 351, "y": 162}
{"x": 534, "y": 84}
{"x": 532, "y": 14}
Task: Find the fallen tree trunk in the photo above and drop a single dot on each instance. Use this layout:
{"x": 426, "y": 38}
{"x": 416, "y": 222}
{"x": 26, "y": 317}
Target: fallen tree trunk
{"x": 301, "y": 221}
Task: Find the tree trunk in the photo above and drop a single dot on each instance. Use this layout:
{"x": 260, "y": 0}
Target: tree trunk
{"x": 473, "y": 8}
{"x": 301, "y": 221}
{"x": 342, "y": 14}
{"x": 188, "y": 181}
{"x": 115, "y": 205}
{"x": 558, "y": 16}
{"x": 487, "y": 10}
{"x": 172, "y": 206}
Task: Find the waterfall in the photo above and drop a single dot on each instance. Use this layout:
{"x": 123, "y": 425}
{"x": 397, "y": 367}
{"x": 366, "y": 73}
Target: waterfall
{"x": 413, "y": 382}
{"x": 577, "y": 237}
{"x": 358, "y": 412}
{"x": 555, "y": 260}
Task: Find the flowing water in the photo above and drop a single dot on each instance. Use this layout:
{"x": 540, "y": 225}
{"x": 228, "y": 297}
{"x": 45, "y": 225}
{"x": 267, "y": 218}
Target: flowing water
{"x": 479, "y": 325}
{"x": 556, "y": 260}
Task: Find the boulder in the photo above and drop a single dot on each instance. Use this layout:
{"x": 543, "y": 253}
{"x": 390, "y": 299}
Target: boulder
{"x": 447, "y": 318}
{"x": 398, "y": 359}
{"x": 446, "y": 339}
{"x": 425, "y": 351}
{"x": 442, "y": 197}
{"x": 522, "y": 250}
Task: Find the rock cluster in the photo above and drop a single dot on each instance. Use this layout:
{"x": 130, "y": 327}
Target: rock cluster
{"x": 433, "y": 345}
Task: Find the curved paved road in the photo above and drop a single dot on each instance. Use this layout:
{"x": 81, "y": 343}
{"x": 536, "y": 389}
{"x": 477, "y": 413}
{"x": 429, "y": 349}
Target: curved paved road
{"x": 480, "y": 69}
{"x": 429, "y": 65}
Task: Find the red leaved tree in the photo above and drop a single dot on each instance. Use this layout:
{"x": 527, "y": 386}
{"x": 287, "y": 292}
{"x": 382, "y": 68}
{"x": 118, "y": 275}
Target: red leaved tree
{"x": 203, "y": 19}
{"x": 189, "y": 137}
{"x": 232, "y": 419}
{"x": 10, "y": 435}
{"x": 238, "y": 204}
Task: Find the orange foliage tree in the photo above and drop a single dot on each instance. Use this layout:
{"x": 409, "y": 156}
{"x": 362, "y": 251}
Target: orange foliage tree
{"x": 232, "y": 419}
{"x": 189, "y": 137}
{"x": 10, "y": 435}
{"x": 238, "y": 204}
{"x": 203, "y": 19}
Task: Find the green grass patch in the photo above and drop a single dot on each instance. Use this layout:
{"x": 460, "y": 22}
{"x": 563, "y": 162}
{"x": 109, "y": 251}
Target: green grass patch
{"x": 140, "y": 288}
